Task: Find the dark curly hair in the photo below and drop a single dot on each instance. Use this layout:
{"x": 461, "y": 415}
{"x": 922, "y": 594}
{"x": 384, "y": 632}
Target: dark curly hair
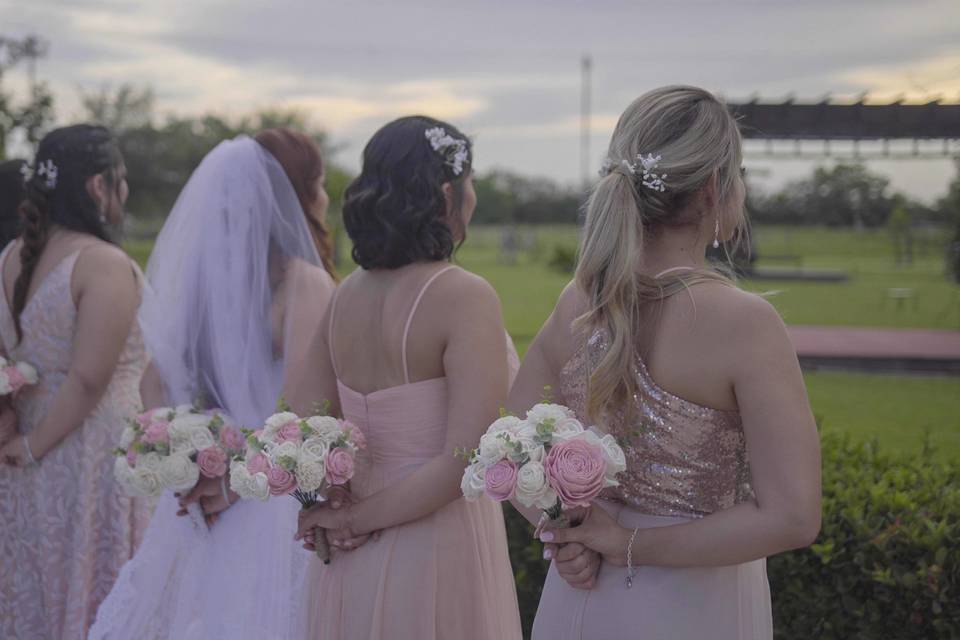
{"x": 11, "y": 195}
{"x": 395, "y": 211}
{"x": 78, "y": 152}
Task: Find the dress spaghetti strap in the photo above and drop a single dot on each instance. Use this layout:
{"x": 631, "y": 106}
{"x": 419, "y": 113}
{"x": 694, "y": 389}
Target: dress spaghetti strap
{"x": 333, "y": 354}
{"x": 413, "y": 310}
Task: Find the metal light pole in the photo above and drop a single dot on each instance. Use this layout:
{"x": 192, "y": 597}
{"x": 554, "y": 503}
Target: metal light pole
{"x": 586, "y": 67}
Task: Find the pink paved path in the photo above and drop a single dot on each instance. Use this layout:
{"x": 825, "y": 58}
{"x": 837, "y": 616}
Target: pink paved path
{"x": 863, "y": 342}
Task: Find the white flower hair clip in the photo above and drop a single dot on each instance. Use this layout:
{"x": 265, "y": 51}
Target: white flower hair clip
{"x": 645, "y": 166}
{"x": 454, "y": 150}
{"x": 46, "y": 170}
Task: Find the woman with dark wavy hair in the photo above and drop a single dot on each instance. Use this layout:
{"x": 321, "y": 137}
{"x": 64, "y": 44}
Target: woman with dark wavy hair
{"x": 70, "y": 298}
{"x": 413, "y": 351}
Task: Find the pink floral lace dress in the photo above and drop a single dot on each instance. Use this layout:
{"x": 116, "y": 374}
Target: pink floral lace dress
{"x": 65, "y": 527}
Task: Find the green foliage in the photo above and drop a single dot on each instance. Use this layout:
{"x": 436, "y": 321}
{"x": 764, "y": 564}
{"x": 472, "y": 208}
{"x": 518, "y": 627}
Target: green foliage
{"x": 33, "y": 116}
{"x": 507, "y": 197}
{"x": 887, "y": 562}
{"x": 563, "y": 259}
{"x": 844, "y": 195}
{"x": 160, "y": 158}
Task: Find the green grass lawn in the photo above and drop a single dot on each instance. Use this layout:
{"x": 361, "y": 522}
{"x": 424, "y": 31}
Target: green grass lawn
{"x": 897, "y": 410}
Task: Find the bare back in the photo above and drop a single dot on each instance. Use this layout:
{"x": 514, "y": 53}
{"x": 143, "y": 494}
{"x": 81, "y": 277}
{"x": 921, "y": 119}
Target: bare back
{"x": 373, "y": 313}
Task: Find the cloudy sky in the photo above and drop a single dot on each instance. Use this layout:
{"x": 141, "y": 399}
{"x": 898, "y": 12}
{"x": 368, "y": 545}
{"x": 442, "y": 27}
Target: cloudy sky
{"x": 507, "y": 72}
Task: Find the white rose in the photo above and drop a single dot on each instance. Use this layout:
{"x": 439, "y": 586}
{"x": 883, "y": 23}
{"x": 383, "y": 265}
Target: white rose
{"x": 5, "y": 388}
{"x": 310, "y": 473}
{"x": 324, "y": 427}
{"x": 472, "y": 483}
{"x": 532, "y": 487}
{"x": 259, "y": 488}
{"x": 124, "y": 475}
{"x": 127, "y": 437}
{"x": 531, "y": 445}
{"x": 288, "y": 452}
{"x": 182, "y": 432}
{"x": 510, "y": 424}
{"x": 148, "y": 475}
{"x": 184, "y": 410}
{"x": 28, "y": 372}
{"x": 492, "y": 449}
{"x": 240, "y": 479}
{"x": 201, "y": 439}
{"x": 565, "y": 429}
{"x": 314, "y": 448}
{"x": 179, "y": 473}
{"x": 4, "y": 362}
{"x": 276, "y": 421}
{"x": 616, "y": 460}
{"x": 540, "y": 413}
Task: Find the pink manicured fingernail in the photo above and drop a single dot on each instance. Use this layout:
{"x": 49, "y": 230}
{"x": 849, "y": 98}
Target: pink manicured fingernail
{"x": 546, "y": 554}
{"x": 546, "y": 536}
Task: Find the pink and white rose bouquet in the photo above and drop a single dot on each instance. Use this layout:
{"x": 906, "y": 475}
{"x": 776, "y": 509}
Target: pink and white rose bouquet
{"x": 16, "y": 375}
{"x": 169, "y": 448}
{"x": 300, "y": 457}
{"x": 546, "y": 460}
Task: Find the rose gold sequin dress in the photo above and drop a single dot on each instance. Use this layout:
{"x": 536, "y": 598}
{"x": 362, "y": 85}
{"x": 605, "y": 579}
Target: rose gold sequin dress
{"x": 684, "y": 461}
{"x": 65, "y": 526}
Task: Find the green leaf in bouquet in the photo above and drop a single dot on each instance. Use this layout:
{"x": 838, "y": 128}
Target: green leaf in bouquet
{"x": 321, "y": 408}
{"x": 282, "y": 406}
{"x": 506, "y": 414}
{"x": 547, "y": 397}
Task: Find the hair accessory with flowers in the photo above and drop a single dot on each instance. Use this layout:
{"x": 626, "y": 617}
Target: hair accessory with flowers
{"x": 46, "y": 170}
{"x": 645, "y": 166}
{"x": 454, "y": 150}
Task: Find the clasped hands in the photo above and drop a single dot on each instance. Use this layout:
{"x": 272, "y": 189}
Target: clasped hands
{"x": 576, "y": 551}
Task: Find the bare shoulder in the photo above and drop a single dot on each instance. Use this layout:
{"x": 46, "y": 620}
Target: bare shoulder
{"x": 465, "y": 292}
{"x": 303, "y": 275}
{"x": 100, "y": 261}
{"x": 742, "y": 317}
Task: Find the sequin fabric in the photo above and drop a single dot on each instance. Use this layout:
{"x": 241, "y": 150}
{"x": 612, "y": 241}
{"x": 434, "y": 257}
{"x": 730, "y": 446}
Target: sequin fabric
{"x": 683, "y": 459}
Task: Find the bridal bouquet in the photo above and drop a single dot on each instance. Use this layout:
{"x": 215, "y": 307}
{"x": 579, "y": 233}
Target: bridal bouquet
{"x": 297, "y": 456}
{"x": 15, "y": 375}
{"x": 548, "y": 460}
{"x": 170, "y": 448}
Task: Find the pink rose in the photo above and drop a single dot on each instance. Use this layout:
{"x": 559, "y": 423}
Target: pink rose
{"x": 258, "y": 464}
{"x": 157, "y": 433}
{"x": 212, "y": 461}
{"x": 289, "y": 432}
{"x": 280, "y": 481}
{"x": 145, "y": 418}
{"x": 131, "y": 458}
{"x": 15, "y": 378}
{"x": 575, "y": 471}
{"x": 339, "y": 466}
{"x": 500, "y": 480}
{"x": 232, "y": 438}
{"x": 356, "y": 435}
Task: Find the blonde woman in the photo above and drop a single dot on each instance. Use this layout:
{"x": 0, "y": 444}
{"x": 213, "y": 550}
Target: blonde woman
{"x": 695, "y": 377}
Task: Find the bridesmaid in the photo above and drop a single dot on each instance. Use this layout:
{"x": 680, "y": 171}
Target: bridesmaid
{"x": 70, "y": 298}
{"x": 698, "y": 381}
{"x": 413, "y": 351}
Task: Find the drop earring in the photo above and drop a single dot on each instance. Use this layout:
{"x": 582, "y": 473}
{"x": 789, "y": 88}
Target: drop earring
{"x": 716, "y": 234}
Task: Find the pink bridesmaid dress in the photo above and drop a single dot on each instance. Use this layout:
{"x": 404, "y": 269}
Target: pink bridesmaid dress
{"x": 684, "y": 461}
{"x": 446, "y": 575}
{"x": 65, "y": 526}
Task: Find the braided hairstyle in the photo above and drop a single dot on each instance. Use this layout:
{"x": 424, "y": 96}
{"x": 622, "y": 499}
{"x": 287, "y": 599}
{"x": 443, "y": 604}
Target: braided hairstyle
{"x": 11, "y": 194}
{"x": 78, "y": 152}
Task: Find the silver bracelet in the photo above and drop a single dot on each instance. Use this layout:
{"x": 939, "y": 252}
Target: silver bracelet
{"x": 630, "y": 558}
{"x": 223, "y": 489}
{"x": 26, "y": 447}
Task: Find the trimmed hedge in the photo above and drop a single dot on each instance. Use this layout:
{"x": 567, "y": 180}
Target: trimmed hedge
{"x": 885, "y": 566}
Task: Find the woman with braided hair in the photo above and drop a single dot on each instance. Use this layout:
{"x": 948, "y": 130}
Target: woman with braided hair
{"x": 70, "y": 298}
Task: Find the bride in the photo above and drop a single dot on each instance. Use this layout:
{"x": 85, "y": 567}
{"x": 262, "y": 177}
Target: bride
{"x": 236, "y": 285}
